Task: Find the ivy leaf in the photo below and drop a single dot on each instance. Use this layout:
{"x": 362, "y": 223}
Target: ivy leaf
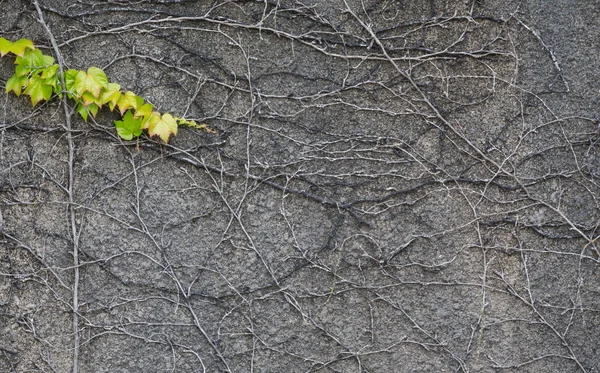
{"x": 70, "y": 81}
{"x": 16, "y": 83}
{"x": 162, "y": 126}
{"x": 89, "y": 99}
{"x": 93, "y": 109}
{"x": 50, "y": 77}
{"x": 38, "y": 90}
{"x": 49, "y": 72}
{"x": 5, "y": 47}
{"x": 93, "y": 81}
{"x": 128, "y": 100}
{"x": 129, "y": 127}
{"x": 47, "y": 60}
{"x": 70, "y": 78}
{"x": 85, "y": 111}
{"x": 22, "y": 70}
{"x": 20, "y": 46}
{"x": 111, "y": 95}
{"x": 54, "y": 83}
{"x": 153, "y": 118}
{"x": 32, "y": 59}
{"x": 144, "y": 111}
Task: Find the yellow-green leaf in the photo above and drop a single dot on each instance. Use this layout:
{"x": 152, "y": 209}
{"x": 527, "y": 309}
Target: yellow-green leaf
{"x": 89, "y": 98}
{"x": 111, "y": 95}
{"x": 143, "y": 111}
{"x": 31, "y": 59}
{"x": 193, "y": 124}
{"x": 153, "y": 118}
{"x": 93, "y": 109}
{"x": 70, "y": 81}
{"x": 126, "y": 101}
{"x": 93, "y": 81}
{"x": 47, "y": 60}
{"x": 163, "y": 127}
{"x": 19, "y": 46}
{"x": 50, "y": 71}
{"x": 38, "y": 90}
{"x": 37, "y": 76}
{"x": 5, "y": 47}
{"x": 50, "y": 77}
{"x": 22, "y": 70}
{"x": 54, "y": 83}
{"x": 85, "y": 111}
{"x": 16, "y": 83}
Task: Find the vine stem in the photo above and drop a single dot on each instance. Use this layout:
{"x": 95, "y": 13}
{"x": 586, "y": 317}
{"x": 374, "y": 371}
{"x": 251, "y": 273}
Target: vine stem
{"x": 71, "y": 208}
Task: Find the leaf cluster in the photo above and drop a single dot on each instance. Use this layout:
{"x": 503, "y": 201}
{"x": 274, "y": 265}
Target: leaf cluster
{"x": 37, "y": 76}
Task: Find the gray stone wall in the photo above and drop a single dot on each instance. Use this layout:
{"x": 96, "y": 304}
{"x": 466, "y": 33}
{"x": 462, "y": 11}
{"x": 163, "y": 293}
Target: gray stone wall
{"x": 393, "y": 186}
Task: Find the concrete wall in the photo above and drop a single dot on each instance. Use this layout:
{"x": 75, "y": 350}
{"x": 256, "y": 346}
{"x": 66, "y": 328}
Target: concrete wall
{"x": 393, "y": 186}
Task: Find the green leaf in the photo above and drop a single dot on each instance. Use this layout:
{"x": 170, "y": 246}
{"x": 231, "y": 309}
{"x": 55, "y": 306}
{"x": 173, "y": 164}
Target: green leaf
{"x": 20, "y": 46}
{"x": 38, "y": 90}
{"x": 111, "y": 95}
{"x": 93, "y": 81}
{"x": 163, "y": 127}
{"x": 5, "y": 47}
{"x": 129, "y": 127}
{"x": 16, "y": 83}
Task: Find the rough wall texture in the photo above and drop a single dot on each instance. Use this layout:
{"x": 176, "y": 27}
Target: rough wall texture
{"x": 394, "y": 186}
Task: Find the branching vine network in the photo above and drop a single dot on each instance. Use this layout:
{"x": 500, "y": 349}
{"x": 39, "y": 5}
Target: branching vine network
{"x": 387, "y": 185}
